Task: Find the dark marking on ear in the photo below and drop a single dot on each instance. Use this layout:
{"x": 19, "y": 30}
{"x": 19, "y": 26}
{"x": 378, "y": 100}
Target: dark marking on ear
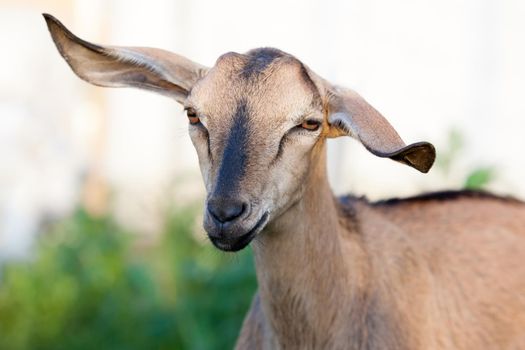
{"x": 234, "y": 158}
{"x": 259, "y": 60}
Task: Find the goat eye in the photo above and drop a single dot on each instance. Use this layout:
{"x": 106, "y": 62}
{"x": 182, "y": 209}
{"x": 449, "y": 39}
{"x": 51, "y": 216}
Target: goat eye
{"x": 311, "y": 125}
{"x": 192, "y": 116}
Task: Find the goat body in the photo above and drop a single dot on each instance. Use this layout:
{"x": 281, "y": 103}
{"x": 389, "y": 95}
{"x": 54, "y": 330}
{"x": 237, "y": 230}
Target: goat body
{"x": 441, "y": 271}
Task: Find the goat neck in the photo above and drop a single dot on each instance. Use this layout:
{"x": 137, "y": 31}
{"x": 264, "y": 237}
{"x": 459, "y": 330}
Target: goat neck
{"x": 302, "y": 247}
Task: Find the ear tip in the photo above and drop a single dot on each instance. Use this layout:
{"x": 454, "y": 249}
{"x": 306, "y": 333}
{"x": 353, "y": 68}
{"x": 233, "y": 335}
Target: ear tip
{"x": 50, "y": 19}
{"x": 53, "y": 24}
{"x": 426, "y": 157}
{"x": 419, "y": 155}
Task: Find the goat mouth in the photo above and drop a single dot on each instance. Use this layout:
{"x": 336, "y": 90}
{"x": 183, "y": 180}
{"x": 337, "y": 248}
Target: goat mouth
{"x": 234, "y": 244}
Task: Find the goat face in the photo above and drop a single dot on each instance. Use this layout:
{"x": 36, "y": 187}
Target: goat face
{"x": 254, "y": 121}
{"x": 258, "y": 122}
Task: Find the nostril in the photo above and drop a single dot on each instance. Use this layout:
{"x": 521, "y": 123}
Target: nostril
{"x": 226, "y": 210}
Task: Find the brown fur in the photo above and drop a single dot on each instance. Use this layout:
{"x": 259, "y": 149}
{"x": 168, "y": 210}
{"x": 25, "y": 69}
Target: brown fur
{"x": 396, "y": 282}
{"x": 438, "y": 271}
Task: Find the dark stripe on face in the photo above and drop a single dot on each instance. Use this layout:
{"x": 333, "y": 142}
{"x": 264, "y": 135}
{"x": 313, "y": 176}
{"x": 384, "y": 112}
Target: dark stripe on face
{"x": 259, "y": 60}
{"x": 233, "y": 164}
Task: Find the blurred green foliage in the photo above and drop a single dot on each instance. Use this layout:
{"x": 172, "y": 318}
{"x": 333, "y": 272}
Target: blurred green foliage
{"x": 91, "y": 286}
{"x": 479, "y": 178}
{"x": 450, "y": 154}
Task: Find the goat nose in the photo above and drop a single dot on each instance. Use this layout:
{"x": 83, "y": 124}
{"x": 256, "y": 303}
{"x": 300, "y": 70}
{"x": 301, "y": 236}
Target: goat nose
{"x": 224, "y": 210}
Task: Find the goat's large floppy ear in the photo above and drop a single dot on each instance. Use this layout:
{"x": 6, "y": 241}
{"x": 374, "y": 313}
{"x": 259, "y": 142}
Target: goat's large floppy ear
{"x": 146, "y": 68}
{"x": 349, "y": 114}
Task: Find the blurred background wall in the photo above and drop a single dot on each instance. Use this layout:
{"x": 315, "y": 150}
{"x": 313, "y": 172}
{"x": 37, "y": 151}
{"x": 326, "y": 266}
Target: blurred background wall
{"x": 429, "y": 66}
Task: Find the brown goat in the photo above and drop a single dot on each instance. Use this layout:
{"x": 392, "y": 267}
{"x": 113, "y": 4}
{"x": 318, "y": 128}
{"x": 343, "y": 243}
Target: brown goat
{"x": 438, "y": 271}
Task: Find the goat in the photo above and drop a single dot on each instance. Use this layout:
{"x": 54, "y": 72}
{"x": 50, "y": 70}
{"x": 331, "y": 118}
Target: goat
{"x": 437, "y": 271}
